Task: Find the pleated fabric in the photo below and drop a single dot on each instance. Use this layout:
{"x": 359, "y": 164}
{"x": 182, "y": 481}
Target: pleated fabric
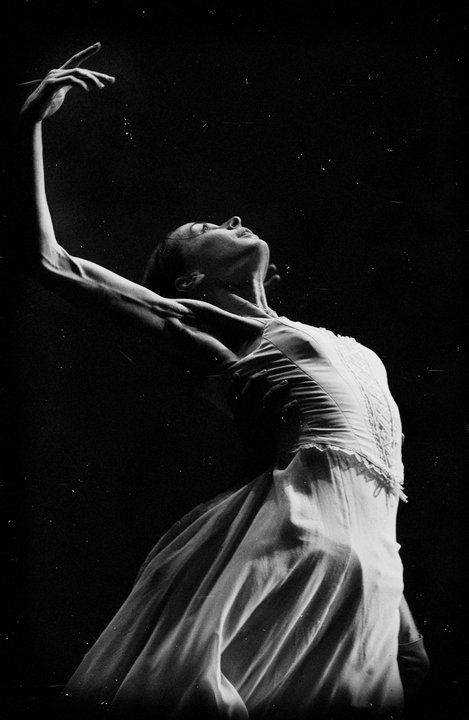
{"x": 277, "y": 600}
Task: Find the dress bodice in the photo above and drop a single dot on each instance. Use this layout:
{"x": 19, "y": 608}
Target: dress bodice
{"x": 341, "y": 388}
{"x": 278, "y": 598}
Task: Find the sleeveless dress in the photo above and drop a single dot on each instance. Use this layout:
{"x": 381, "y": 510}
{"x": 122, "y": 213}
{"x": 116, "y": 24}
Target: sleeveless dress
{"x": 279, "y": 599}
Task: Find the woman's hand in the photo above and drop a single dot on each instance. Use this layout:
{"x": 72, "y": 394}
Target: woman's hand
{"x": 412, "y": 657}
{"x": 272, "y": 278}
{"x": 48, "y": 97}
{"x": 268, "y": 421}
{"x": 414, "y": 665}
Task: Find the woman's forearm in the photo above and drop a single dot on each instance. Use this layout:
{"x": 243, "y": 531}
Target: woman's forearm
{"x": 38, "y": 242}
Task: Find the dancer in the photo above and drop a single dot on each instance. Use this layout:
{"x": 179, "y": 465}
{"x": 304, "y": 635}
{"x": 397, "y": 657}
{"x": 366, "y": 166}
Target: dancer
{"x": 282, "y": 598}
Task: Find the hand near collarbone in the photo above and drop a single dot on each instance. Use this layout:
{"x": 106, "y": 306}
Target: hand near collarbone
{"x": 268, "y": 420}
{"x": 48, "y": 97}
{"x": 233, "y": 330}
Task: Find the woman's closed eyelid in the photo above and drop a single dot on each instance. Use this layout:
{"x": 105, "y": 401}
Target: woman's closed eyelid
{"x": 204, "y": 227}
{"x": 193, "y": 231}
{"x": 208, "y": 226}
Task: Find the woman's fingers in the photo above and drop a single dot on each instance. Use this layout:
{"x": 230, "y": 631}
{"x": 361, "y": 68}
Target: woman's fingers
{"x": 49, "y": 96}
{"x": 62, "y": 73}
{"x": 274, "y": 399}
{"x": 72, "y": 66}
{"x": 272, "y": 277}
{"x": 268, "y": 424}
{"x": 77, "y": 77}
{"x": 257, "y": 397}
{"x": 290, "y": 408}
{"x": 245, "y": 396}
{"x": 64, "y": 80}
{"x": 89, "y": 76}
{"x": 83, "y": 72}
{"x": 99, "y": 79}
{"x": 102, "y": 76}
{"x": 81, "y": 56}
{"x": 272, "y": 282}
{"x": 254, "y": 390}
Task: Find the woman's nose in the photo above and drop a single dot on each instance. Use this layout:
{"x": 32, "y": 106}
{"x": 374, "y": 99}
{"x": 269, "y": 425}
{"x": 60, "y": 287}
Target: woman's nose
{"x": 232, "y": 223}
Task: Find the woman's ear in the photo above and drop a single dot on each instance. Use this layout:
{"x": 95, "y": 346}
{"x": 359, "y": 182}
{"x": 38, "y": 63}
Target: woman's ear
{"x": 188, "y": 283}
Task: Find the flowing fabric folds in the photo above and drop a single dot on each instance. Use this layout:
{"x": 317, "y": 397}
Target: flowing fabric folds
{"x": 280, "y": 599}
{"x": 269, "y": 602}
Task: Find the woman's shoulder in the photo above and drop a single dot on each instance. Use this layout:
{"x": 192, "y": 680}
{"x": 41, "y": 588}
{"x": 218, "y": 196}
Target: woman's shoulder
{"x": 347, "y": 344}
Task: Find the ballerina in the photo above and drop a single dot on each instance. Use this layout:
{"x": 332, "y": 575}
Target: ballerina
{"x": 282, "y": 598}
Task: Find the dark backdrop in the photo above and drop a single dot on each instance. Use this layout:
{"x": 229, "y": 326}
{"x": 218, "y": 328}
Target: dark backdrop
{"x": 336, "y": 136}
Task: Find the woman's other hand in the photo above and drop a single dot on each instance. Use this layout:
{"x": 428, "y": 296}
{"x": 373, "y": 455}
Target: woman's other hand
{"x": 412, "y": 657}
{"x": 272, "y": 278}
{"x": 414, "y": 665}
{"x": 268, "y": 423}
{"x": 48, "y": 97}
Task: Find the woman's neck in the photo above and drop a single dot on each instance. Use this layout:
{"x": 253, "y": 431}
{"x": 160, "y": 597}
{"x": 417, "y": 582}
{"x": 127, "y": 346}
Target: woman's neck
{"x": 247, "y": 299}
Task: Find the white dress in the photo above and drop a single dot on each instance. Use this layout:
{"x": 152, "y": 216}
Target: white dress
{"x": 279, "y": 599}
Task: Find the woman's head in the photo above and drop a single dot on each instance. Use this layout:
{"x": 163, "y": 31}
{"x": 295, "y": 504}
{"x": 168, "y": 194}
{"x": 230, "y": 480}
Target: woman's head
{"x": 197, "y": 255}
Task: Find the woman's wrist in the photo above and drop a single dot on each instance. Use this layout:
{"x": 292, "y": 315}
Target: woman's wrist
{"x": 411, "y": 640}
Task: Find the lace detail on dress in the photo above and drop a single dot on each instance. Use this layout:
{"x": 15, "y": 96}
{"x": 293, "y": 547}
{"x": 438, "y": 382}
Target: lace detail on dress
{"x": 383, "y": 479}
{"x": 379, "y": 414}
{"x": 378, "y": 409}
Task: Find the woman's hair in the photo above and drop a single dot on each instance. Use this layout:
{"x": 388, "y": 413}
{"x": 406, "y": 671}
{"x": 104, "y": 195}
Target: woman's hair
{"x": 165, "y": 265}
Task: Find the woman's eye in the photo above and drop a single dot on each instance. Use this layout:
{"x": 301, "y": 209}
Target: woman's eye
{"x": 205, "y": 227}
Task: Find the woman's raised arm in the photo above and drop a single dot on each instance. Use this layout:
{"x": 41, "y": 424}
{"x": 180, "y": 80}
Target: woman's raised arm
{"x": 82, "y": 282}
{"x": 77, "y": 279}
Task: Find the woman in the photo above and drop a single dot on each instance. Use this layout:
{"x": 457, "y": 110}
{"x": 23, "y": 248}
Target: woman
{"x": 282, "y": 598}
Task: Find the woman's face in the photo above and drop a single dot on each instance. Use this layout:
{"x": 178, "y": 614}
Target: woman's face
{"x": 228, "y": 251}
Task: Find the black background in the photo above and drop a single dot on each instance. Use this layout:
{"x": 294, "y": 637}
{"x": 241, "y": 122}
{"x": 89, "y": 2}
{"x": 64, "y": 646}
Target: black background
{"x": 336, "y": 135}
